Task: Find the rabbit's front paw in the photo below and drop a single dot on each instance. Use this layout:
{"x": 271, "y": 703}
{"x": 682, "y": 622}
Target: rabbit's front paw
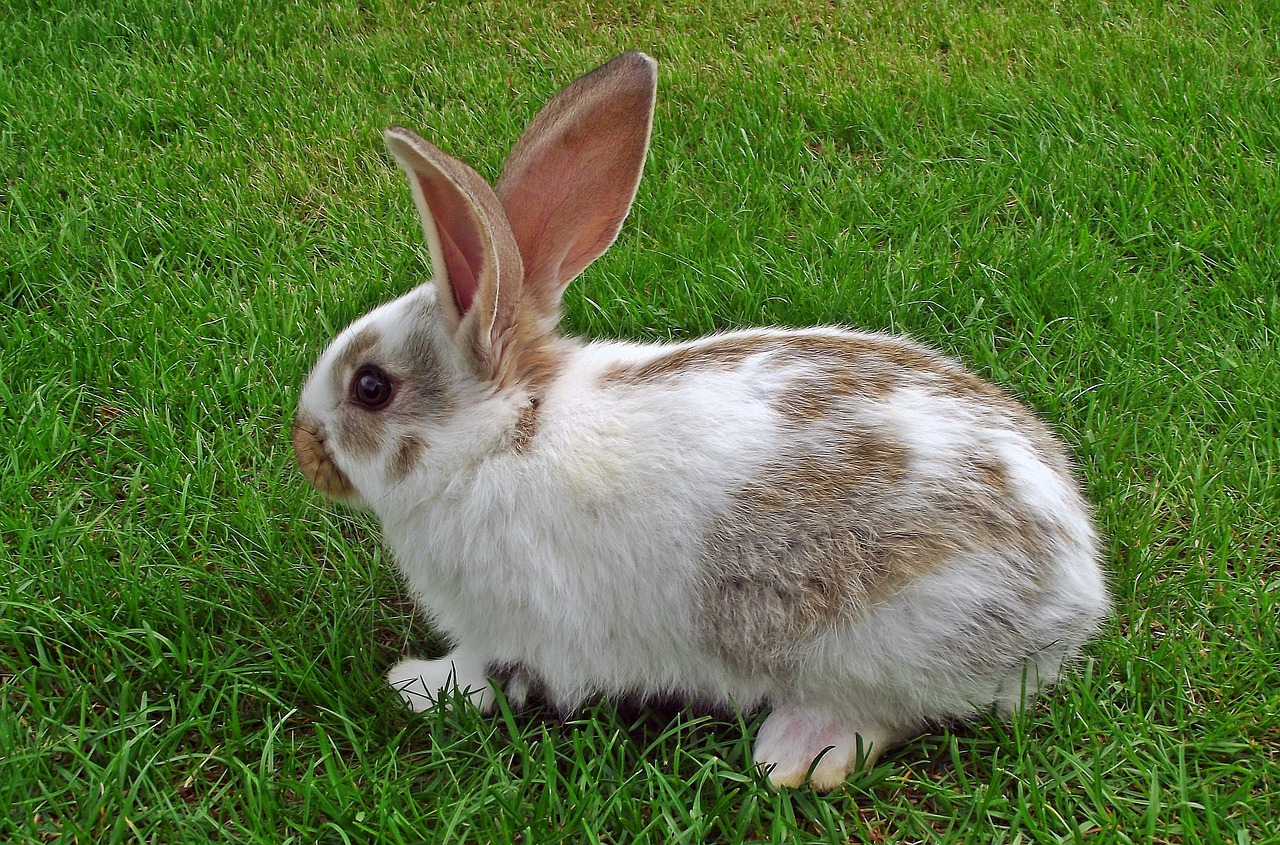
{"x": 424, "y": 683}
{"x": 796, "y": 745}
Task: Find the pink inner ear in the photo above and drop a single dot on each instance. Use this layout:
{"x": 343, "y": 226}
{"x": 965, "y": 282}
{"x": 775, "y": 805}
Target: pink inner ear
{"x": 462, "y": 278}
{"x": 458, "y": 228}
{"x": 570, "y": 180}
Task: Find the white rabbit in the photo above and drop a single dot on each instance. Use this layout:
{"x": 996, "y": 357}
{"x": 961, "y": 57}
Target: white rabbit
{"x": 847, "y": 528}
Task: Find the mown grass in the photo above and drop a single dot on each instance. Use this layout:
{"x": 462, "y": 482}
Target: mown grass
{"x": 1080, "y": 200}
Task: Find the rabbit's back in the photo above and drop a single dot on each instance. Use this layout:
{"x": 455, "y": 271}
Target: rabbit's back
{"x": 888, "y": 483}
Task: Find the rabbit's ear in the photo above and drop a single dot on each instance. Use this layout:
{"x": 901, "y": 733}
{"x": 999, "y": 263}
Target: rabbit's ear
{"x": 474, "y": 257}
{"x": 571, "y": 178}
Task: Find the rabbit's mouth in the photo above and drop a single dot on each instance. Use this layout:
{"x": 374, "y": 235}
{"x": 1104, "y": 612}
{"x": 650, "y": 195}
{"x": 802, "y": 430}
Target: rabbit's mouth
{"x": 316, "y": 463}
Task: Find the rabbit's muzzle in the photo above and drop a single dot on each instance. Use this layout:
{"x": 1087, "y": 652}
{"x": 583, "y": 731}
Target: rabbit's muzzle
{"x": 315, "y": 461}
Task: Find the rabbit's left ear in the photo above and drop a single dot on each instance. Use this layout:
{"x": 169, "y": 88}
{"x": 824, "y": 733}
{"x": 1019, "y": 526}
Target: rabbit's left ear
{"x": 476, "y": 263}
{"x": 571, "y": 178}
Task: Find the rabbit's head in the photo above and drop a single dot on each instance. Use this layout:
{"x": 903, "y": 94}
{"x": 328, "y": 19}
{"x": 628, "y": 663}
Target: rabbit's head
{"x": 464, "y": 357}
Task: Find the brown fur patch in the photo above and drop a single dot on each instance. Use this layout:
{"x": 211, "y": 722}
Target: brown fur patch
{"x": 905, "y": 359}
{"x": 847, "y": 364}
{"x": 352, "y": 356}
{"x": 529, "y": 353}
{"x": 426, "y": 393}
{"x": 526, "y": 426}
{"x": 839, "y": 523}
{"x": 314, "y": 460}
{"x": 992, "y": 476}
{"x": 843, "y": 366}
{"x": 721, "y": 353}
{"x": 362, "y": 432}
{"x": 829, "y": 532}
{"x": 407, "y": 456}
{"x": 819, "y": 394}
{"x": 799, "y": 552}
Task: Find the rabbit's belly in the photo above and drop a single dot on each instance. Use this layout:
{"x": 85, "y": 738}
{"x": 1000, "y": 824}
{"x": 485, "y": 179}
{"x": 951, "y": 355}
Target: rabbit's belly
{"x": 595, "y": 624}
{"x": 583, "y": 645}
{"x": 575, "y": 665}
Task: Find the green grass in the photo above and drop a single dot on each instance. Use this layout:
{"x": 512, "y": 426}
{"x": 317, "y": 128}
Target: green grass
{"x": 1081, "y": 200}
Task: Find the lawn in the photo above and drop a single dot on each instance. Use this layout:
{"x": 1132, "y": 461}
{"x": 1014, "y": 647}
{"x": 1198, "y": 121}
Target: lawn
{"x": 1080, "y": 200}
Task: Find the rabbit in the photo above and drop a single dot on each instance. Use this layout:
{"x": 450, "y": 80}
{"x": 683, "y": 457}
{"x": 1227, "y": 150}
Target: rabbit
{"x": 846, "y": 528}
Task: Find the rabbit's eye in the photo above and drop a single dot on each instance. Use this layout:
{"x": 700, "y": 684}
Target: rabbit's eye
{"x": 371, "y": 387}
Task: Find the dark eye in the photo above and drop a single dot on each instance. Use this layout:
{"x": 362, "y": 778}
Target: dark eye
{"x": 371, "y": 387}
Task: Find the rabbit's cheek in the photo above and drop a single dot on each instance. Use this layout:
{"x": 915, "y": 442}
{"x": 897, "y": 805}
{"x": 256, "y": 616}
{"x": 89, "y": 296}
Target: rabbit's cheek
{"x": 406, "y": 457}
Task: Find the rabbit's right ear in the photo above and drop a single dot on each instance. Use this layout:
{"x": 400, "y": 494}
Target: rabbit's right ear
{"x": 570, "y": 179}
